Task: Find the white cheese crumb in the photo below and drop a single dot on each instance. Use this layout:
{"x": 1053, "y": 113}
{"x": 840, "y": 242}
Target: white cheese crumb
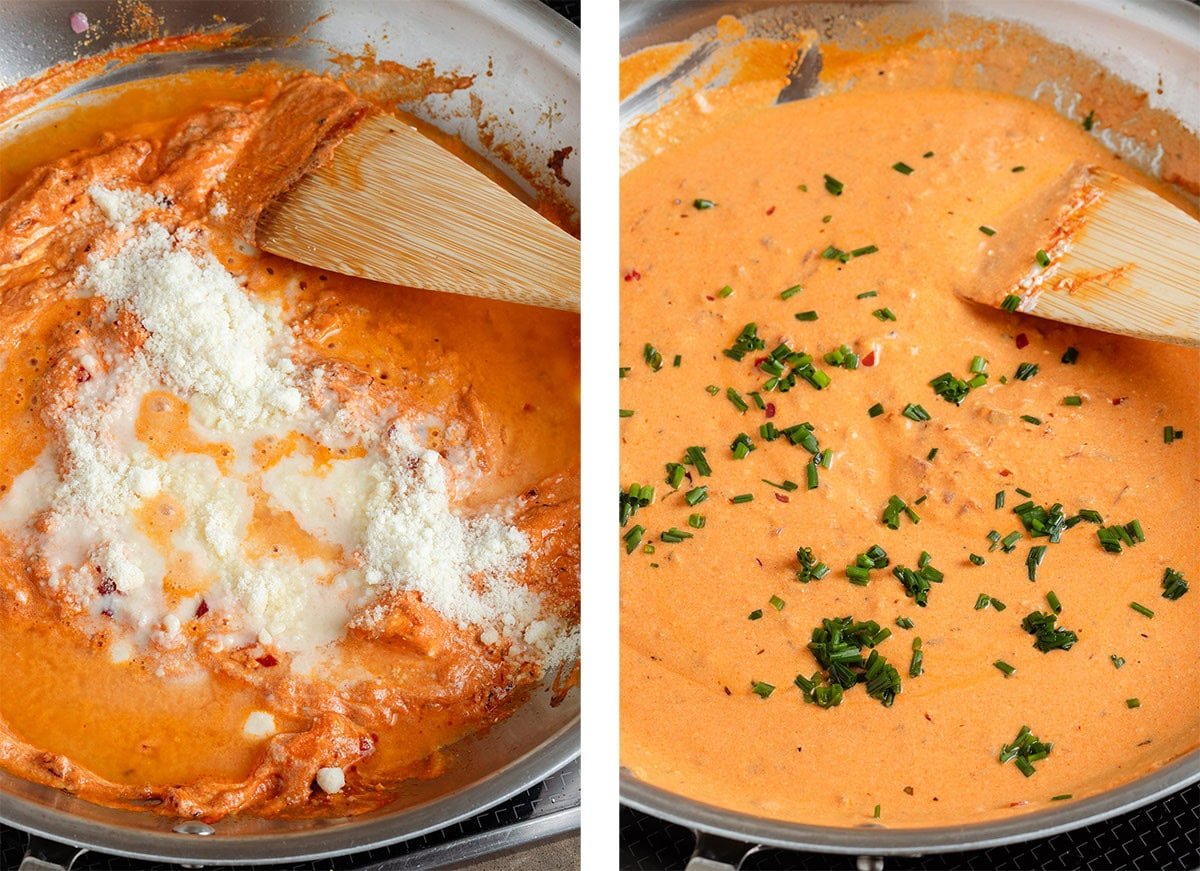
{"x": 331, "y": 780}
{"x": 259, "y": 724}
{"x": 120, "y": 651}
{"x": 119, "y": 207}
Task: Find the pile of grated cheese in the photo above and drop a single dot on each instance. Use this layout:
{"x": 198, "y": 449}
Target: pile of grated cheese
{"x": 230, "y": 357}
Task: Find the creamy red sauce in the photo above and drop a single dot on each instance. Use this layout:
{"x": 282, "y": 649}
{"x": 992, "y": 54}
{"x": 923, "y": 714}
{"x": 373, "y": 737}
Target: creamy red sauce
{"x": 737, "y": 216}
{"x": 163, "y": 721}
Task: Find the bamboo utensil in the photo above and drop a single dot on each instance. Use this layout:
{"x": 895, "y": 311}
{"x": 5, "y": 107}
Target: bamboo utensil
{"x": 1117, "y": 258}
{"x": 393, "y": 206}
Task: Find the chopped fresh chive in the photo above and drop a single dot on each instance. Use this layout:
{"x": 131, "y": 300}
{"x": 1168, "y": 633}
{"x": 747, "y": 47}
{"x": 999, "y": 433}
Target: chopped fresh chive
{"x": 734, "y": 397}
{"x": 904, "y": 623}
{"x": 826, "y": 219}
{"x": 864, "y": 251}
{"x": 884, "y": 314}
{"x": 761, "y": 689}
{"x": 1043, "y": 258}
{"x": 696, "y": 495}
{"x": 1037, "y": 553}
{"x": 917, "y": 583}
{"x": 1022, "y": 492}
{"x": 747, "y": 340}
{"x": 982, "y": 602}
{"x": 777, "y": 603}
{"x": 878, "y": 810}
{"x": 894, "y": 509}
{"x": 1029, "y": 418}
{"x": 810, "y": 474}
{"x": 703, "y": 204}
{"x": 725, "y": 292}
{"x": 674, "y": 536}
{"x": 633, "y": 538}
{"x": 788, "y": 486}
{"x": 696, "y": 521}
{"x": 806, "y": 316}
{"x": 979, "y": 365}
{"x": 1025, "y": 371}
{"x": 1173, "y": 584}
{"x": 835, "y": 253}
{"x": 626, "y": 412}
{"x": 976, "y": 559}
{"x": 917, "y": 666}
{"x": 1142, "y": 609}
{"x": 803, "y": 188}
{"x": 811, "y": 569}
{"x": 986, "y": 230}
{"x": 997, "y": 605}
{"x": 929, "y": 457}
{"x": 652, "y": 357}
{"x": 1063, "y": 797}
{"x": 1089, "y": 120}
{"x": 915, "y": 412}
{"x": 713, "y": 389}
{"x": 1117, "y": 661}
{"x": 695, "y": 456}
{"x": 834, "y": 186}
{"x": 756, "y": 614}
{"x": 1055, "y": 605}
{"x": 791, "y": 291}
{"x": 875, "y": 410}
{"x": 678, "y": 360}
{"x": 1047, "y": 636}
{"x": 868, "y": 294}
{"x": 951, "y": 389}
{"x": 1009, "y": 543}
{"x": 902, "y": 167}
{"x": 624, "y": 371}
{"x": 1072, "y": 400}
{"x": 1018, "y": 169}
{"x": 675, "y": 475}
{"x": 1070, "y": 355}
{"x": 758, "y": 400}
{"x": 1133, "y": 703}
{"x": 743, "y": 498}
{"x": 1113, "y": 537}
{"x": 1025, "y": 750}
{"x": 1010, "y": 302}
{"x": 1174, "y": 434}
{"x": 927, "y": 154}
{"x": 999, "y": 499}
{"x": 1004, "y": 667}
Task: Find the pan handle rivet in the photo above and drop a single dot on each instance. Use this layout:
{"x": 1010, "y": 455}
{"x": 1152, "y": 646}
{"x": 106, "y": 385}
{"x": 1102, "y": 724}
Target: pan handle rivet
{"x": 194, "y": 829}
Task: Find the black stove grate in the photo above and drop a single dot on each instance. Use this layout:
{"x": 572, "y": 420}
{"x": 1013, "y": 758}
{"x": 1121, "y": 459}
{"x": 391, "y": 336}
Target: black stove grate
{"x": 1163, "y": 836}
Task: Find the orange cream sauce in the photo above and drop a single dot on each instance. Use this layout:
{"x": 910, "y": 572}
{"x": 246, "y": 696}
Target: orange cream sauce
{"x": 508, "y": 374}
{"x": 689, "y": 654}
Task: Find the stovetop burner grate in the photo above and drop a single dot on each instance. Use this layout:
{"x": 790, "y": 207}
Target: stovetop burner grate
{"x": 1163, "y": 836}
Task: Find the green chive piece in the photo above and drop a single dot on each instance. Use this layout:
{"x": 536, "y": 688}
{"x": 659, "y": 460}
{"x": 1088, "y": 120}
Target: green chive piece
{"x": 834, "y": 186}
{"x": 1043, "y": 258}
{"x": 696, "y": 495}
{"x": 915, "y": 412}
{"x": 1004, "y": 667}
{"x": 904, "y": 623}
{"x": 725, "y": 292}
{"x": 1070, "y": 356}
{"x": 1025, "y": 371}
{"x": 1173, "y": 584}
{"x": 976, "y": 559}
{"x": 1133, "y": 703}
{"x": 1055, "y": 605}
{"x": 695, "y": 457}
{"x": 811, "y": 569}
{"x": 884, "y": 314}
{"x": 791, "y": 291}
{"x": 736, "y": 399}
{"x": 978, "y": 365}
{"x": 1029, "y": 418}
{"x": 927, "y": 154}
{"x": 1025, "y": 750}
{"x": 999, "y": 499}
{"x": 1011, "y": 302}
{"x": 902, "y": 168}
{"x": 1089, "y": 120}
{"x": 868, "y": 295}
{"x": 986, "y": 230}
{"x": 875, "y": 410}
{"x": 787, "y": 486}
{"x": 997, "y": 604}
{"x": 864, "y": 251}
{"x": 878, "y": 808}
{"x": 982, "y": 602}
{"x": 1142, "y": 609}
{"x": 1073, "y": 400}
{"x": 633, "y": 538}
{"x": 761, "y": 689}
{"x": 1047, "y": 636}
{"x": 1018, "y": 169}
{"x": 653, "y": 358}
{"x": 777, "y": 603}
{"x": 624, "y": 372}
{"x": 713, "y": 389}
{"x": 1037, "y": 554}
{"x": 1117, "y": 661}
{"x": 626, "y": 412}
{"x": 674, "y": 536}
{"x": 696, "y": 521}
{"x": 742, "y": 499}
{"x": 929, "y": 457}
{"x": 703, "y": 204}
{"x": 916, "y": 666}
{"x": 756, "y": 614}
{"x": 1063, "y": 797}
{"x": 826, "y": 219}
{"x": 806, "y": 316}
{"x": 810, "y": 472}
{"x": 803, "y": 188}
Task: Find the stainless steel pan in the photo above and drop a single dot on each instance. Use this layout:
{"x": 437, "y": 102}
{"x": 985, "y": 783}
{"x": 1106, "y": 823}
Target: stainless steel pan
{"x": 1139, "y": 42}
{"x": 535, "y": 62}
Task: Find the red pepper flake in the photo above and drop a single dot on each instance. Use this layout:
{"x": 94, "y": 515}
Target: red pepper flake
{"x": 633, "y": 275}
{"x": 201, "y": 609}
{"x": 107, "y": 612}
{"x": 267, "y": 660}
{"x": 1022, "y": 340}
{"x": 1118, "y": 400}
{"x": 107, "y": 587}
{"x": 367, "y": 743}
{"x": 782, "y": 497}
{"x": 869, "y": 360}
{"x": 1004, "y": 473}
{"x": 82, "y": 375}
{"x": 770, "y": 410}
{"x": 770, "y": 211}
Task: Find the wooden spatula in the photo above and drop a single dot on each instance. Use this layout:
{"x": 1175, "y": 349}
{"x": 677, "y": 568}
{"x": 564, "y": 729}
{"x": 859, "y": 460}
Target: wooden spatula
{"x": 1103, "y": 252}
{"x": 394, "y": 206}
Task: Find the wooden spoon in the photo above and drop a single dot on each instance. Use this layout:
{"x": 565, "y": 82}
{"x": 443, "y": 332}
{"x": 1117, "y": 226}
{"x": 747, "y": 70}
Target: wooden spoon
{"x": 394, "y": 206}
{"x": 1103, "y": 252}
